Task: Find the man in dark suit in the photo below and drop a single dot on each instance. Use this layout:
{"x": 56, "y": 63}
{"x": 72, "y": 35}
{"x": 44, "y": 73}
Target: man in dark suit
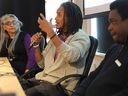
{"x": 111, "y": 77}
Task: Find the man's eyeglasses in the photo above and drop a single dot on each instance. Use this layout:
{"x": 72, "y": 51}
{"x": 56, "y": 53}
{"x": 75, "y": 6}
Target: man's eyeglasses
{"x": 14, "y": 22}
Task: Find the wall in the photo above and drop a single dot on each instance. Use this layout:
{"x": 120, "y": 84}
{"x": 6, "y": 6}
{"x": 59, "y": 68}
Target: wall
{"x": 87, "y": 28}
{"x": 96, "y": 62}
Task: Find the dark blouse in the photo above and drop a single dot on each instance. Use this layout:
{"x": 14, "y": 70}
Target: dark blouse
{"x": 23, "y": 56}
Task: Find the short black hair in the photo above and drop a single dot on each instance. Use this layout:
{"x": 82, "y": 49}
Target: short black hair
{"x": 122, "y": 7}
{"x": 74, "y": 16}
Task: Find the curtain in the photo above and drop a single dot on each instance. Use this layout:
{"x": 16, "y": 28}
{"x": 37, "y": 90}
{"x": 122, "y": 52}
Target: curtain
{"x": 26, "y": 10}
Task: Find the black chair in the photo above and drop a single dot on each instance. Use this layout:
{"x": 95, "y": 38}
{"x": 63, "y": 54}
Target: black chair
{"x": 89, "y": 60}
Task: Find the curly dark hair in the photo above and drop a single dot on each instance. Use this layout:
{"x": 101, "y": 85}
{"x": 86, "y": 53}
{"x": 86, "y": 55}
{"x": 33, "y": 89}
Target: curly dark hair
{"x": 74, "y": 17}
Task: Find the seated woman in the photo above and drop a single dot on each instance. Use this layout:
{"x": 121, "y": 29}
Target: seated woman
{"x": 64, "y": 54}
{"x": 14, "y": 44}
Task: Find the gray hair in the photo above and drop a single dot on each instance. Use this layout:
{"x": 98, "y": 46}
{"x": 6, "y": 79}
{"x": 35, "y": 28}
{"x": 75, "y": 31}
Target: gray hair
{"x": 4, "y": 35}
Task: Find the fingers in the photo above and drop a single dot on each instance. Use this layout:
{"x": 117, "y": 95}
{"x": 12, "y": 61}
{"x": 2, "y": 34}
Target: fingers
{"x": 42, "y": 16}
{"x": 41, "y": 20}
{"x": 44, "y": 25}
{"x": 36, "y": 37}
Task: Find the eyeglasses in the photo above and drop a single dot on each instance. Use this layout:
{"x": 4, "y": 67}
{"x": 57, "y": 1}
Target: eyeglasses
{"x": 14, "y": 22}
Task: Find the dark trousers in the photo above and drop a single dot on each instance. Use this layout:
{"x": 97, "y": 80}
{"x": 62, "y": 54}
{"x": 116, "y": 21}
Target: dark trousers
{"x": 35, "y": 87}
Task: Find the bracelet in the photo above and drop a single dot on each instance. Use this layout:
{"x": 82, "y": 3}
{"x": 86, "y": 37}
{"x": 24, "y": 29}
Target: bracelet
{"x": 53, "y": 36}
{"x": 35, "y": 46}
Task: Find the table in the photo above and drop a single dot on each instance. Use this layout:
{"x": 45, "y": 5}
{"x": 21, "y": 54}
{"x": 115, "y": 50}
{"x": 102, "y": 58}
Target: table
{"x": 8, "y": 80}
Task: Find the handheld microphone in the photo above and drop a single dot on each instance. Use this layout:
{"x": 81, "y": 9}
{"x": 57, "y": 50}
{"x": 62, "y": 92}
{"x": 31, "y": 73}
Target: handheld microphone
{"x": 32, "y": 43}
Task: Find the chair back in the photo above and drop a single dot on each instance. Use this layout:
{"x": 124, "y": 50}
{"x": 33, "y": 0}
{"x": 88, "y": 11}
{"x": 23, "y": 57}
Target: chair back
{"x": 91, "y": 54}
{"x": 88, "y": 63}
{"x": 90, "y": 57}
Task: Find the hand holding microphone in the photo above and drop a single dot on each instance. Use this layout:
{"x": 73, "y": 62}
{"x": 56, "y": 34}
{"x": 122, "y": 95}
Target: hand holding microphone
{"x": 35, "y": 39}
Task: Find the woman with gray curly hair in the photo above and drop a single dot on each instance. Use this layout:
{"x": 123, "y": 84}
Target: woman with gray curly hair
{"x": 14, "y": 44}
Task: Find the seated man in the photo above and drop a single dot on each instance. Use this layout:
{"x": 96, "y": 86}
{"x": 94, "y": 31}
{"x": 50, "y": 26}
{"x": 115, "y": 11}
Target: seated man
{"x": 111, "y": 77}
